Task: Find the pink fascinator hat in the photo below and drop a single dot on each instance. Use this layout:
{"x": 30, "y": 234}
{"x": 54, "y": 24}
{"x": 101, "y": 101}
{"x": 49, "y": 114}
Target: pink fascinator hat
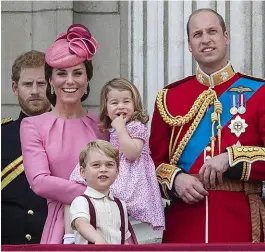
{"x": 72, "y": 48}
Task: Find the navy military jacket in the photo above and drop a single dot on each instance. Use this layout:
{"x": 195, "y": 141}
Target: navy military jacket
{"x": 23, "y": 213}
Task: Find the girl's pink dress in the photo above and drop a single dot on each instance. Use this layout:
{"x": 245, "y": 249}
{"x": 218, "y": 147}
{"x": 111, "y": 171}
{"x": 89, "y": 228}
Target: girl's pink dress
{"x": 50, "y": 149}
{"x": 137, "y": 183}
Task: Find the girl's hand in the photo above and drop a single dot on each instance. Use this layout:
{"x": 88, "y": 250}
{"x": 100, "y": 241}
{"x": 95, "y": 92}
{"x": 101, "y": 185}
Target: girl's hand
{"x": 119, "y": 123}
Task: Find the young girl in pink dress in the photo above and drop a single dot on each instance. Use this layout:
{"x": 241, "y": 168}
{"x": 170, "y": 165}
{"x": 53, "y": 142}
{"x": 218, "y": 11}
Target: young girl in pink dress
{"x": 122, "y": 114}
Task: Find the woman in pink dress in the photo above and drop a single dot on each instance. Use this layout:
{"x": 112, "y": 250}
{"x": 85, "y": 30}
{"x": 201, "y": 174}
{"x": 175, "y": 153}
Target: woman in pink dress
{"x": 51, "y": 142}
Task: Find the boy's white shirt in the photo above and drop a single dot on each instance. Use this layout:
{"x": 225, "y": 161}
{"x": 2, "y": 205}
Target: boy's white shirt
{"x": 108, "y": 219}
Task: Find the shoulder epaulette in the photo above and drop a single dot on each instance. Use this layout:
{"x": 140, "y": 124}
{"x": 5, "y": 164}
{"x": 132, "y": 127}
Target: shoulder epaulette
{"x": 5, "y": 121}
{"x": 177, "y": 83}
{"x": 252, "y": 77}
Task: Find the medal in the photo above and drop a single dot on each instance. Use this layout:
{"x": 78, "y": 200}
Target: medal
{"x": 233, "y": 109}
{"x": 238, "y": 126}
{"x": 242, "y": 108}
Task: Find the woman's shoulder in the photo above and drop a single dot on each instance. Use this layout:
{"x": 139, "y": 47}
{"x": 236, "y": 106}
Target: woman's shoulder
{"x": 38, "y": 119}
{"x": 92, "y": 116}
{"x": 93, "y": 121}
{"x": 40, "y": 123}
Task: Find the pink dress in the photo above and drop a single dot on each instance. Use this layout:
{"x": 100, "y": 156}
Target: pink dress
{"x": 137, "y": 183}
{"x": 50, "y": 149}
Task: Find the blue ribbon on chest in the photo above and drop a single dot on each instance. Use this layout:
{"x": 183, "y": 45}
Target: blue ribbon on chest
{"x": 201, "y": 137}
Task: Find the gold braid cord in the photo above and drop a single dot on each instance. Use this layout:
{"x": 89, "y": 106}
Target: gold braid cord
{"x": 196, "y": 112}
{"x": 179, "y": 120}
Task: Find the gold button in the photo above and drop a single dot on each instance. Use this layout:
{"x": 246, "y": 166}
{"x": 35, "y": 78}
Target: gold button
{"x": 208, "y": 148}
{"x": 208, "y": 157}
{"x": 28, "y": 237}
{"x": 245, "y": 149}
{"x": 30, "y": 212}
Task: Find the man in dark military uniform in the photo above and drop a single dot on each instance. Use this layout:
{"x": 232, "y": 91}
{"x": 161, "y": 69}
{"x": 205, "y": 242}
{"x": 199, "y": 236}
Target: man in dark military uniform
{"x": 23, "y": 212}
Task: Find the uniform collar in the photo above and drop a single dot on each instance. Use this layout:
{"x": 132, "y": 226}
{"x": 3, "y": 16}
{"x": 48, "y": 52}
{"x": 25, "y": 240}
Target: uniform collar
{"x": 22, "y": 115}
{"x": 216, "y": 78}
{"x": 90, "y": 192}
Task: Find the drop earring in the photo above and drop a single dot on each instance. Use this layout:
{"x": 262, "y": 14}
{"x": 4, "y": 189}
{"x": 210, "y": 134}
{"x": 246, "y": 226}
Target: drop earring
{"x": 85, "y": 91}
{"x": 52, "y": 90}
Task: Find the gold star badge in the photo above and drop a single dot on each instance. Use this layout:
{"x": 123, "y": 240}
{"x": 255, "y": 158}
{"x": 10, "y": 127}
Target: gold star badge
{"x": 238, "y": 126}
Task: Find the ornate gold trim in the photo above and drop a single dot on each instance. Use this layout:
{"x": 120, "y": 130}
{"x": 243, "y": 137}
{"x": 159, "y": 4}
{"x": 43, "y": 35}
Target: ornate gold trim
{"x": 6, "y": 120}
{"x": 11, "y": 165}
{"x": 166, "y": 173}
{"x": 198, "y": 110}
{"x": 209, "y": 100}
{"x": 216, "y": 78}
{"x": 164, "y": 190}
{"x": 244, "y": 170}
{"x": 9, "y": 178}
{"x": 249, "y": 154}
{"x": 178, "y": 121}
{"x": 248, "y": 171}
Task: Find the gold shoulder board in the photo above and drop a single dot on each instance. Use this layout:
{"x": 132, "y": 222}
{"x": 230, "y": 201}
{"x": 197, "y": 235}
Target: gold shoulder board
{"x": 6, "y": 120}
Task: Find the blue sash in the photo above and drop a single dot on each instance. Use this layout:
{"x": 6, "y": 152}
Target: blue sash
{"x": 203, "y": 133}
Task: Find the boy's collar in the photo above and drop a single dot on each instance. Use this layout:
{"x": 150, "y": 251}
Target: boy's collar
{"x": 90, "y": 192}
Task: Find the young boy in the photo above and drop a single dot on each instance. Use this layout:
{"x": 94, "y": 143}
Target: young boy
{"x": 99, "y": 166}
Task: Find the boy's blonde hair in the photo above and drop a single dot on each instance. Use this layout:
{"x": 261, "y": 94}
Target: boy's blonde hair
{"x": 99, "y": 145}
{"x": 120, "y": 84}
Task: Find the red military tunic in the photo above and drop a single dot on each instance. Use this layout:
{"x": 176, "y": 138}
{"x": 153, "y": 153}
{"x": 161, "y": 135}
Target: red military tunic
{"x": 228, "y": 211}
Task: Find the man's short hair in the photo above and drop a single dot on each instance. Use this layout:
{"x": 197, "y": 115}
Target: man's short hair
{"x": 221, "y": 20}
{"x": 31, "y": 59}
{"x": 99, "y": 145}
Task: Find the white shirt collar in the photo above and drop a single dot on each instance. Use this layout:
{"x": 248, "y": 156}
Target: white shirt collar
{"x": 90, "y": 192}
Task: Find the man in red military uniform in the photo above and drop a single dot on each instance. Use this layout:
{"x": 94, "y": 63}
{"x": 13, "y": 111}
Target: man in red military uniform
{"x": 207, "y": 141}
